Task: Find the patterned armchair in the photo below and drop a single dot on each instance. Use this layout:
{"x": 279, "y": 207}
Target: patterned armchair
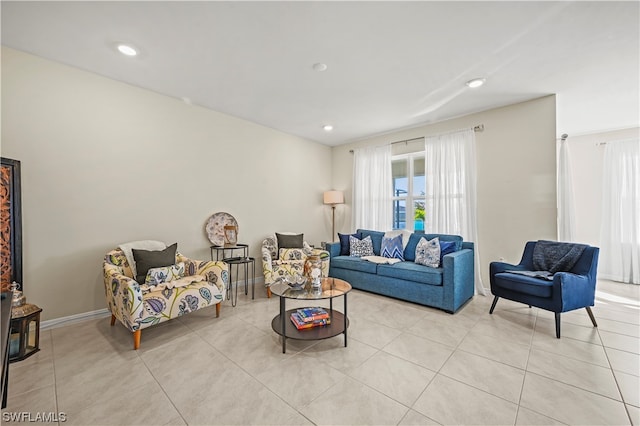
{"x": 139, "y": 306}
{"x": 278, "y": 263}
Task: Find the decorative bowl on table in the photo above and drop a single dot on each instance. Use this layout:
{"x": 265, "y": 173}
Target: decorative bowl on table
{"x": 296, "y": 282}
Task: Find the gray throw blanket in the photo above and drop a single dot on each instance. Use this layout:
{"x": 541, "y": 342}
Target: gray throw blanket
{"x": 555, "y": 257}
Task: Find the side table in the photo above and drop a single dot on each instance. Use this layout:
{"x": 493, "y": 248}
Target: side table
{"x": 244, "y": 262}
{"x": 226, "y": 254}
{"x": 221, "y": 251}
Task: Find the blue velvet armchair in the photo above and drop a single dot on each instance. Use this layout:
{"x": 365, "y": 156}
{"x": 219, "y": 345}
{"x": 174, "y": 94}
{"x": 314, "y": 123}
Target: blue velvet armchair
{"x": 570, "y": 288}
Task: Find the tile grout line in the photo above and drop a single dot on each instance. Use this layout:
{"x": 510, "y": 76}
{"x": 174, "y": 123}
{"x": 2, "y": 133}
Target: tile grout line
{"x": 55, "y": 377}
{"x": 247, "y": 372}
{"x": 615, "y": 378}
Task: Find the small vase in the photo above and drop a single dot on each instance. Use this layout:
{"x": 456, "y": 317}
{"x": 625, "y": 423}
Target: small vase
{"x": 313, "y": 270}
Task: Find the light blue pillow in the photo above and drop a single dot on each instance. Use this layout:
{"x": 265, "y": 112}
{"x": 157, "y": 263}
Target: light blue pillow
{"x": 428, "y": 252}
{"x": 392, "y": 247}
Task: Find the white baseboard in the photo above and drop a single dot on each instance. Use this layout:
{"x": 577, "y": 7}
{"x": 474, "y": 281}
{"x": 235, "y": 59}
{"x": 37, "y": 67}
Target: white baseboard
{"x": 100, "y": 313}
{"x": 72, "y": 319}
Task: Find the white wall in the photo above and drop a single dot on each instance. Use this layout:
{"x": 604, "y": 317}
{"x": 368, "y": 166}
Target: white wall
{"x": 586, "y": 155}
{"x": 104, "y": 163}
{"x": 516, "y": 175}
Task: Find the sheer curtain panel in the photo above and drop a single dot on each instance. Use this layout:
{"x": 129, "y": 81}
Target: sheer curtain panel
{"x": 372, "y": 188}
{"x": 564, "y": 199}
{"x": 620, "y": 230}
{"x": 450, "y": 169}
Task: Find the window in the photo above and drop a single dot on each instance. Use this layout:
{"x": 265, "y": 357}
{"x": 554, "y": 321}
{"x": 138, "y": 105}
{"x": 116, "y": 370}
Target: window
{"x": 408, "y": 191}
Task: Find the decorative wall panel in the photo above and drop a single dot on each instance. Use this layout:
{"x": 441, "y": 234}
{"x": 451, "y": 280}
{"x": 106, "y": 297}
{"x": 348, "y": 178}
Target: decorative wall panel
{"x": 11, "y": 227}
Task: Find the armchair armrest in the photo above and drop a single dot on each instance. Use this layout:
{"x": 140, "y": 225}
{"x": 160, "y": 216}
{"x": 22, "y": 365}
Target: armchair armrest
{"x": 577, "y": 291}
{"x": 267, "y": 266}
{"x": 216, "y": 272}
{"x": 123, "y": 296}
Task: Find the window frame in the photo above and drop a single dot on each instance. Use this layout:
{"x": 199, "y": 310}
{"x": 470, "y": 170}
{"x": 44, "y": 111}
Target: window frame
{"x": 409, "y": 198}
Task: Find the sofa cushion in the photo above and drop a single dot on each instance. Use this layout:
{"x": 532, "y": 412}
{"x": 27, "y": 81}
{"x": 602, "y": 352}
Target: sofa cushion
{"x": 344, "y": 242}
{"x": 410, "y": 249}
{"x": 428, "y": 252}
{"x": 376, "y": 239}
{"x": 147, "y": 259}
{"x": 359, "y": 248}
{"x": 290, "y": 241}
{"x": 524, "y": 284}
{"x": 411, "y": 271}
{"x": 353, "y": 264}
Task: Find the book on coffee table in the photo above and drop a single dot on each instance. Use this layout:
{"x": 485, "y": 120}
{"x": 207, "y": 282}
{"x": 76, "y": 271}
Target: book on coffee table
{"x": 312, "y": 314}
{"x": 300, "y": 324}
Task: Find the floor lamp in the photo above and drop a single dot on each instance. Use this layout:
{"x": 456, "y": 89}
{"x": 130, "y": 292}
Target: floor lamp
{"x": 333, "y": 198}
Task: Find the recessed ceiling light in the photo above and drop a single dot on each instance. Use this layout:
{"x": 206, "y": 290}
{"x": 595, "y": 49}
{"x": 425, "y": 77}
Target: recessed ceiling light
{"x": 320, "y": 67}
{"x": 126, "y": 49}
{"x": 327, "y": 127}
{"x": 476, "y": 82}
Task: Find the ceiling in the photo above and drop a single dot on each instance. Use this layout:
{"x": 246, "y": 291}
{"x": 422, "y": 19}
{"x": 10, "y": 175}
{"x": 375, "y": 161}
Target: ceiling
{"x": 390, "y": 65}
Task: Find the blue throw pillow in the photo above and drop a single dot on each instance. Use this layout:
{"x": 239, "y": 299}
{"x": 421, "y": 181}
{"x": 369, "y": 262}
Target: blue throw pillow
{"x": 392, "y": 247}
{"x": 344, "y": 242}
{"x": 447, "y": 247}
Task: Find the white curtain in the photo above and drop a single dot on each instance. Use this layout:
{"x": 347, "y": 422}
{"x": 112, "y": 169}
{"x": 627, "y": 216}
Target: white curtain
{"x": 372, "y": 188}
{"x": 564, "y": 191}
{"x": 620, "y": 230}
{"x": 450, "y": 168}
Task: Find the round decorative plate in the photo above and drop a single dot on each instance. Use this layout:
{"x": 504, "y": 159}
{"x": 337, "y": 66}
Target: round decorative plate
{"x": 215, "y": 227}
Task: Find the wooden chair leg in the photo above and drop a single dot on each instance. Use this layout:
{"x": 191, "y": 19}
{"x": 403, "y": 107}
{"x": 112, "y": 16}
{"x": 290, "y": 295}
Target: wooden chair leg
{"x": 136, "y": 339}
{"x": 269, "y": 292}
{"x": 557, "y": 324}
{"x": 493, "y": 305}
{"x": 218, "y": 309}
{"x": 113, "y": 319}
{"x": 593, "y": 319}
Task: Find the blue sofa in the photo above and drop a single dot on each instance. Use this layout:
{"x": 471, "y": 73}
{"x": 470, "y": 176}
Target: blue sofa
{"x": 448, "y": 287}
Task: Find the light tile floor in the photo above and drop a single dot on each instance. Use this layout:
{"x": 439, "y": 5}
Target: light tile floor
{"x": 404, "y": 365}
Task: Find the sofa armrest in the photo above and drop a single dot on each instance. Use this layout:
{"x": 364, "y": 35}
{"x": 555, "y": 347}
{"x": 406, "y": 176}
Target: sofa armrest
{"x": 333, "y": 249}
{"x": 123, "y": 296}
{"x": 458, "y": 278}
{"x": 215, "y": 271}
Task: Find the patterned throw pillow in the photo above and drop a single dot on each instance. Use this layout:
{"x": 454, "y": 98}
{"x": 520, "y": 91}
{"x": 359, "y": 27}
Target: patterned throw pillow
{"x": 392, "y": 247}
{"x": 359, "y": 248}
{"x": 292, "y": 254}
{"x": 164, "y": 274}
{"x": 428, "y": 252}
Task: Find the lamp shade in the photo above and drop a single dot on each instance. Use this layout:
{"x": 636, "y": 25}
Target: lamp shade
{"x": 333, "y": 197}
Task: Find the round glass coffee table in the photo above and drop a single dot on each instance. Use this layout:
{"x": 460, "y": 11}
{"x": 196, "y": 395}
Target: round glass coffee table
{"x": 330, "y": 288}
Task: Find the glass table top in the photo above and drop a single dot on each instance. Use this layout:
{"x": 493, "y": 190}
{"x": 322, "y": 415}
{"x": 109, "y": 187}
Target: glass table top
{"x": 331, "y": 287}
